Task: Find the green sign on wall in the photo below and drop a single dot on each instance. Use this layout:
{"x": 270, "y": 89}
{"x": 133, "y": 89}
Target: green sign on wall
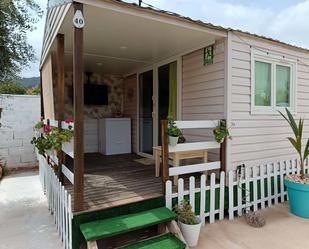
{"x": 209, "y": 55}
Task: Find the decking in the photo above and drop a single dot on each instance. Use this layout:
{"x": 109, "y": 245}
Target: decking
{"x": 116, "y": 180}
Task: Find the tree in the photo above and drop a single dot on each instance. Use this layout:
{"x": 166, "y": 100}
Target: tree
{"x": 297, "y": 140}
{"x": 16, "y": 18}
{"x": 12, "y": 88}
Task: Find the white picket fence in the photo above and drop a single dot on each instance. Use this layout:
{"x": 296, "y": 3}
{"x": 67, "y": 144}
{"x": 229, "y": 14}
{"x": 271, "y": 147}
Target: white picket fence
{"x": 59, "y": 202}
{"x": 250, "y": 189}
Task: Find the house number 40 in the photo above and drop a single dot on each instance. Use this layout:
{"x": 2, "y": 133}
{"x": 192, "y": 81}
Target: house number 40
{"x": 78, "y": 19}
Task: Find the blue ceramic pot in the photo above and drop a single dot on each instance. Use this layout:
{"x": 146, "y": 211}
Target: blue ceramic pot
{"x": 299, "y": 198}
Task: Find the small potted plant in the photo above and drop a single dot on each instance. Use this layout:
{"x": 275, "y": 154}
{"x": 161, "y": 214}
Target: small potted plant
{"x": 42, "y": 143}
{"x": 173, "y": 132}
{"x": 190, "y": 225}
{"x": 298, "y": 184}
{"x": 39, "y": 128}
{"x": 68, "y": 138}
{"x": 221, "y": 131}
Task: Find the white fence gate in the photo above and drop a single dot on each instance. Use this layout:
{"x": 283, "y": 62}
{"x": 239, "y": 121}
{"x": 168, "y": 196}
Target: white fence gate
{"x": 249, "y": 188}
{"x": 59, "y": 201}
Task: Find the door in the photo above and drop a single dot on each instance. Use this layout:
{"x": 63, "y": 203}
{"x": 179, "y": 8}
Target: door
{"x": 145, "y": 112}
{"x": 167, "y": 94}
{"x": 157, "y": 101}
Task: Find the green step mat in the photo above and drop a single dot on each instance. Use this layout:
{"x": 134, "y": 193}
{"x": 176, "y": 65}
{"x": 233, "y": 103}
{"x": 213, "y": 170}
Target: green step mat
{"x": 165, "y": 241}
{"x": 121, "y": 224}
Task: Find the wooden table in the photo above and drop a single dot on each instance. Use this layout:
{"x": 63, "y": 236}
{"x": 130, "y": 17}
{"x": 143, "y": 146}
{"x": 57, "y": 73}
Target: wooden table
{"x": 176, "y": 157}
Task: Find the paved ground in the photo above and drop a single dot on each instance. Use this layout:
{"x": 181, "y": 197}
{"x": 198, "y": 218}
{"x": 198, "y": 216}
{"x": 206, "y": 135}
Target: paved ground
{"x": 24, "y": 219}
{"x": 282, "y": 231}
{"x": 26, "y": 224}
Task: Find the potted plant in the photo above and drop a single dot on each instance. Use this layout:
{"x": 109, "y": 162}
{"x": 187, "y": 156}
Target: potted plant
{"x": 221, "y": 131}
{"x": 298, "y": 184}
{"x": 42, "y": 144}
{"x": 190, "y": 225}
{"x": 39, "y": 128}
{"x": 68, "y": 138}
{"x": 173, "y": 132}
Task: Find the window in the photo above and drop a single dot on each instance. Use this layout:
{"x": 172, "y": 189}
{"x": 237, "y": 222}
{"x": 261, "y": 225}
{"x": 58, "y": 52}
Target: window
{"x": 273, "y": 84}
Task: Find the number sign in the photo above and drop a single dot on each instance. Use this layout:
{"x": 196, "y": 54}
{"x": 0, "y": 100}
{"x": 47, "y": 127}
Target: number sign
{"x": 78, "y": 19}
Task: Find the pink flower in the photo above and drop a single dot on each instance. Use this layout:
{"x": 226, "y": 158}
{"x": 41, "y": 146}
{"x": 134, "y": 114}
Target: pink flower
{"x": 47, "y": 128}
{"x": 69, "y": 120}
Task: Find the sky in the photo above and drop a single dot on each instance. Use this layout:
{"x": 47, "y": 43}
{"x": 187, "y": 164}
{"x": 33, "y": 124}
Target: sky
{"x": 286, "y": 20}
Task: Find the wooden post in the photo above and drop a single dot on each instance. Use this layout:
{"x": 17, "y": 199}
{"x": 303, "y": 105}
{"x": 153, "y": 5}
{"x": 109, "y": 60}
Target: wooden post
{"x": 60, "y": 69}
{"x": 165, "y": 153}
{"x": 78, "y": 81}
{"x": 41, "y": 96}
{"x": 223, "y": 155}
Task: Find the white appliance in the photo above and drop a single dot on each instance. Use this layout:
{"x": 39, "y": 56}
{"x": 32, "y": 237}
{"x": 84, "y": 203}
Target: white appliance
{"x": 115, "y": 136}
{"x": 91, "y": 135}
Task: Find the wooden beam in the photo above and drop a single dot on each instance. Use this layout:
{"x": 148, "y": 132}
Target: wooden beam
{"x": 78, "y": 81}
{"x": 41, "y": 96}
{"x": 60, "y": 94}
{"x": 165, "y": 154}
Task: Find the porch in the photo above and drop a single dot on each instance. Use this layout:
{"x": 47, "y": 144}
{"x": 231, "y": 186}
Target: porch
{"x": 116, "y": 180}
{"x": 134, "y": 70}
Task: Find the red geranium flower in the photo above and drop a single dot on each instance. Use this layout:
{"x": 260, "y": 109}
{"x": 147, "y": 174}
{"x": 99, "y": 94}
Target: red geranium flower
{"x": 47, "y": 128}
{"x": 69, "y": 120}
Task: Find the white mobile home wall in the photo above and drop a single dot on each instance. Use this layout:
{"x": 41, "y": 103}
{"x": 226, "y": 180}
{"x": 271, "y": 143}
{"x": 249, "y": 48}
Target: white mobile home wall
{"x": 256, "y": 138}
{"x": 203, "y": 91}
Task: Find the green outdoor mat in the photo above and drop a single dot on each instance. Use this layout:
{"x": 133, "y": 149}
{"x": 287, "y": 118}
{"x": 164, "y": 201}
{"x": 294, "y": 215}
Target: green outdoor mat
{"x": 121, "y": 224}
{"x": 165, "y": 241}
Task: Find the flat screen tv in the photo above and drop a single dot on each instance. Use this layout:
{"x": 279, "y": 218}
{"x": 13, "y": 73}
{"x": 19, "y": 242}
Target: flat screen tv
{"x": 95, "y": 94}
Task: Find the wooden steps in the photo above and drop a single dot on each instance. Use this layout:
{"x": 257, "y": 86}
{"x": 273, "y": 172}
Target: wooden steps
{"x": 104, "y": 228}
{"x": 168, "y": 241}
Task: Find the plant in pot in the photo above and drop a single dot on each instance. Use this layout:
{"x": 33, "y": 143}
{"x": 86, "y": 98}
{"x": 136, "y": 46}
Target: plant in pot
{"x": 39, "y": 128}
{"x": 298, "y": 184}
{"x": 221, "y": 131}
{"x": 67, "y": 137}
{"x": 42, "y": 143}
{"x": 173, "y": 132}
{"x": 190, "y": 225}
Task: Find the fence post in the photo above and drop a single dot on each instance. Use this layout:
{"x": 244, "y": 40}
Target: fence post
{"x": 165, "y": 154}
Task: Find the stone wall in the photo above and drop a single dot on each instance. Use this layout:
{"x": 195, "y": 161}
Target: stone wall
{"x": 18, "y": 115}
{"x": 115, "y": 96}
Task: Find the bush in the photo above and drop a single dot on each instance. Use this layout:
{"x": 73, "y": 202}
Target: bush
{"x": 12, "y": 88}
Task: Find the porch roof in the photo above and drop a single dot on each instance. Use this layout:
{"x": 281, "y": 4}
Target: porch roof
{"x": 119, "y": 40}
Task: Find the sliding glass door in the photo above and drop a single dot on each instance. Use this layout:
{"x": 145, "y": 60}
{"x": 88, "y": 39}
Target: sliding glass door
{"x": 157, "y": 101}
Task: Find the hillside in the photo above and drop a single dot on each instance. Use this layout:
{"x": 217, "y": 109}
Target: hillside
{"x": 29, "y": 82}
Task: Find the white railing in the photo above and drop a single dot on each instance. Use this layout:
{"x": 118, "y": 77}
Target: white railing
{"x": 195, "y": 146}
{"x": 205, "y": 191}
{"x": 246, "y": 189}
{"x": 59, "y": 202}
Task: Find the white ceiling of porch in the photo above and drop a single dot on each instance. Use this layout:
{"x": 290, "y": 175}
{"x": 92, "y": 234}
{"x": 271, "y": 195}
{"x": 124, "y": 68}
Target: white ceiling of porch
{"x": 121, "y": 43}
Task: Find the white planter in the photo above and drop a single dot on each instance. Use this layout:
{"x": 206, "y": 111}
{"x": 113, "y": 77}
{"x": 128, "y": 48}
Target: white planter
{"x": 68, "y": 148}
{"x": 51, "y": 152}
{"x": 191, "y": 233}
{"x": 173, "y": 141}
{"x": 38, "y": 132}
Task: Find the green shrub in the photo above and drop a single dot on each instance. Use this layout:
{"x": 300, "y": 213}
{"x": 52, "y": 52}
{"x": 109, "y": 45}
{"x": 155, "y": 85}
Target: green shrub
{"x": 12, "y": 88}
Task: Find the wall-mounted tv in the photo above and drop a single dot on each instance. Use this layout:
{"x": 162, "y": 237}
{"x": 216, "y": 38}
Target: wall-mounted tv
{"x": 95, "y": 94}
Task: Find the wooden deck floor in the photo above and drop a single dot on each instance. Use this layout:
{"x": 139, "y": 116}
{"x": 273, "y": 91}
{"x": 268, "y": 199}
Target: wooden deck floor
{"x": 116, "y": 180}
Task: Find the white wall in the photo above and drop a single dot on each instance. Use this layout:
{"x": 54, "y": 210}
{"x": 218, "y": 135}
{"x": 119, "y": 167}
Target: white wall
{"x": 18, "y": 116}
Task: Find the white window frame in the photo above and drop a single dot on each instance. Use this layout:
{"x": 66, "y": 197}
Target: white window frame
{"x": 274, "y": 60}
